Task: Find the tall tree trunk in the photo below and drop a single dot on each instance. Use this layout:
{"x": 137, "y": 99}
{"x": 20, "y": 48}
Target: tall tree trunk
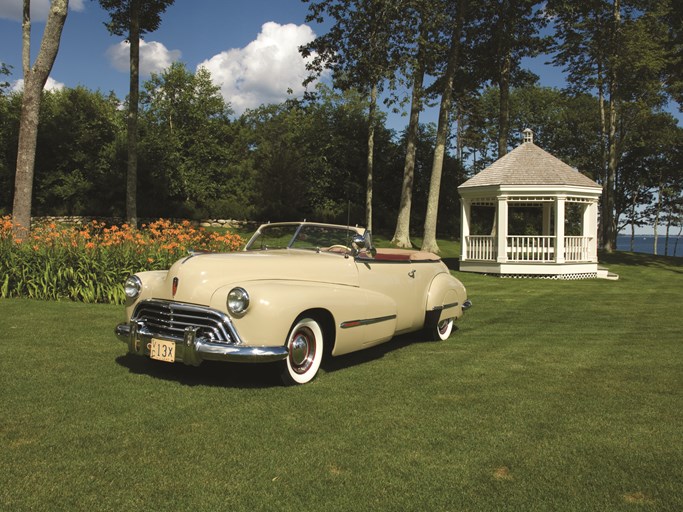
{"x": 668, "y": 230}
{"x": 655, "y": 225}
{"x": 609, "y": 190}
{"x": 402, "y": 234}
{"x": 429, "y": 241}
{"x": 133, "y": 100}
{"x": 609, "y": 231}
{"x": 371, "y": 156}
{"x": 504, "y": 106}
{"x": 34, "y": 82}
{"x": 603, "y": 151}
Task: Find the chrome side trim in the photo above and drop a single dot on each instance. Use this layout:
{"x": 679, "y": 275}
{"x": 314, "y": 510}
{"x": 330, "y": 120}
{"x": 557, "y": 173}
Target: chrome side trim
{"x": 445, "y": 306}
{"x": 367, "y": 321}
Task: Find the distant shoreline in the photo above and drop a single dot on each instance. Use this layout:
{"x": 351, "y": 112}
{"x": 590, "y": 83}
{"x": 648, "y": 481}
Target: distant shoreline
{"x": 645, "y": 244}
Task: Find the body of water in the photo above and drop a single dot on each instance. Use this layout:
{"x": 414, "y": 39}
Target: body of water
{"x": 645, "y": 243}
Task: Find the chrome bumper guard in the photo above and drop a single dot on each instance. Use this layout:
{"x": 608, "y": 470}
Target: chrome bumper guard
{"x": 192, "y": 350}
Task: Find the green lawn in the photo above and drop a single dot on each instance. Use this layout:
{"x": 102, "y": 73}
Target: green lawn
{"x": 552, "y": 395}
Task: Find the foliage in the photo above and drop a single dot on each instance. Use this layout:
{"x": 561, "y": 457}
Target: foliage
{"x": 619, "y": 49}
{"x": 90, "y": 263}
{"x": 4, "y": 70}
{"x": 150, "y": 12}
{"x": 187, "y": 149}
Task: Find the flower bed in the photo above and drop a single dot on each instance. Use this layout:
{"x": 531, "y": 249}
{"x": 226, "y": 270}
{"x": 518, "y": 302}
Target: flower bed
{"x": 89, "y": 263}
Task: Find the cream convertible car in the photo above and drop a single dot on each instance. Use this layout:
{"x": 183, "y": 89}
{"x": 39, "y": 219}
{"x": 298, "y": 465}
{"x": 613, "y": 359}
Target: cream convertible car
{"x": 298, "y": 291}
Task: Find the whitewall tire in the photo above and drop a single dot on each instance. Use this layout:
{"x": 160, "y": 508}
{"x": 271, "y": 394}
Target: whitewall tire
{"x": 442, "y": 330}
{"x": 305, "y": 345}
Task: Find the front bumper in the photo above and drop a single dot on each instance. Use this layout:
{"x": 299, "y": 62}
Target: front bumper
{"x": 192, "y": 350}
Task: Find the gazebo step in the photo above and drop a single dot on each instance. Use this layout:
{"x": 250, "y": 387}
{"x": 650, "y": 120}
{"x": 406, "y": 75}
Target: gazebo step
{"x": 603, "y": 273}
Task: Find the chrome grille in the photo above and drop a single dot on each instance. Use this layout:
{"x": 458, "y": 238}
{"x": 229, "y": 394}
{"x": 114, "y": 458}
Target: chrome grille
{"x": 169, "y": 320}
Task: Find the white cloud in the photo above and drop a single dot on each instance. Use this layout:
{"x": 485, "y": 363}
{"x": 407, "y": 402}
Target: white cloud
{"x": 154, "y": 57}
{"x": 13, "y": 9}
{"x": 50, "y": 85}
{"x": 263, "y": 71}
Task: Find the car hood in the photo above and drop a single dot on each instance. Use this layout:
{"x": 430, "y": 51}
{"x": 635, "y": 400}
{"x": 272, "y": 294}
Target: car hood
{"x": 198, "y": 276}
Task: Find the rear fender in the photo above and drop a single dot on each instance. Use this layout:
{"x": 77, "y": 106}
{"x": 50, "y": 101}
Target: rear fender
{"x": 445, "y": 298}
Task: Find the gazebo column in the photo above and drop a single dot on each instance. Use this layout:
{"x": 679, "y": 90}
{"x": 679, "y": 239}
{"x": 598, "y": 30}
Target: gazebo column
{"x": 502, "y": 228}
{"x": 590, "y": 229}
{"x": 465, "y": 218}
{"x": 547, "y": 218}
{"x": 560, "y": 203}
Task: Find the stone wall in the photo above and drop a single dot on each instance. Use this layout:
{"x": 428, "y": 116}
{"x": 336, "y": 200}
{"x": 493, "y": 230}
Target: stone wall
{"x": 81, "y": 220}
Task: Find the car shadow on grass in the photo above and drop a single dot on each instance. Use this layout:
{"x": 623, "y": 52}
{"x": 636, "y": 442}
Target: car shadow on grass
{"x": 253, "y": 375}
{"x": 209, "y": 373}
{"x": 333, "y": 364}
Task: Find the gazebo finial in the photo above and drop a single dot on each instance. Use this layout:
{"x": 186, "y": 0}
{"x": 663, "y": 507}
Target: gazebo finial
{"x": 528, "y": 135}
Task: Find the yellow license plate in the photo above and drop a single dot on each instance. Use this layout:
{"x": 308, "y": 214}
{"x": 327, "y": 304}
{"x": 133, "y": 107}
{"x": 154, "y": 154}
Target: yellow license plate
{"x": 162, "y": 350}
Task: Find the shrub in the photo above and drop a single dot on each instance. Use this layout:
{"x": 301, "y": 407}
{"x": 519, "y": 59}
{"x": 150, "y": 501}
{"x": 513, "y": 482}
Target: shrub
{"x": 90, "y": 263}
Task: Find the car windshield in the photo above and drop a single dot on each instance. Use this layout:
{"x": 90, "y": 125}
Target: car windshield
{"x": 297, "y": 236}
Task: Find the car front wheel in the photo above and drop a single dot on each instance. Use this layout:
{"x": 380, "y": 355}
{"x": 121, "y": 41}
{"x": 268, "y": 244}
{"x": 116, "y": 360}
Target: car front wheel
{"x": 305, "y": 345}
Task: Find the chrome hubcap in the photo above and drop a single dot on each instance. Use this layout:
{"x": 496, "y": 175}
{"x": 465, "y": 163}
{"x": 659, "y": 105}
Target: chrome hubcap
{"x": 302, "y": 350}
{"x": 443, "y": 326}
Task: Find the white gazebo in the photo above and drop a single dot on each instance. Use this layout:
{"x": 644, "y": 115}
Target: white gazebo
{"x": 530, "y": 214}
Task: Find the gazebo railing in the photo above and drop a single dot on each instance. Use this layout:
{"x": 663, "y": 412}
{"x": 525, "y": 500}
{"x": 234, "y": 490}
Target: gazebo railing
{"x": 576, "y": 248}
{"x": 481, "y": 247}
{"x": 531, "y": 248}
{"x": 537, "y": 249}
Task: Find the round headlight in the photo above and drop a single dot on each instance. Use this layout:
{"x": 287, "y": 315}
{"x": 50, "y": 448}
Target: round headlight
{"x": 132, "y": 287}
{"x": 238, "y": 301}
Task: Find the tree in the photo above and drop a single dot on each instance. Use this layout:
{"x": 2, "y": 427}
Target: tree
{"x": 617, "y": 47}
{"x": 4, "y": 70}
{"x": 10, "y": 113}
{"x": 185, "y": 146}
{"x": 510, "y": 33}
{"x": 454, "y": 55}
{"x": 76, "y": 171}
{"x": 34, "y": 81}
{"x": 133, "y": 18}
{"x": 360, "y": 49}
{"x": 675, "y": 51}
{"x": 661, "y": 155}
{"x": 421, "y": 29}
{"x": 401, "y": 236}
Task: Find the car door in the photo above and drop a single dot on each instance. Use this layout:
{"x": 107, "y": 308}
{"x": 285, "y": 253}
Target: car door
{"x": 398, "y": 280}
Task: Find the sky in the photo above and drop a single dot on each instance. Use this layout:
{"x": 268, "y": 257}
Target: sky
{"x": 250, "y": 47}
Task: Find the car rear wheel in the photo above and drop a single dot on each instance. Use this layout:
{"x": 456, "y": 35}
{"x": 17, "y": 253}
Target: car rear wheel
{"x": 305, "y": 345}
{"x": 442, "y": 330}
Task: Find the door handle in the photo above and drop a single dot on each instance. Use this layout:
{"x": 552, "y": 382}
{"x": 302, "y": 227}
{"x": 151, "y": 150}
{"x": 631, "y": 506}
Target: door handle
{"x": 411, "y": 274}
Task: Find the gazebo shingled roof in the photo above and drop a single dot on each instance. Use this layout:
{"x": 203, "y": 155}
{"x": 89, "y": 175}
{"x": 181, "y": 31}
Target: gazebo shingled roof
{"x": 528, "y": 164}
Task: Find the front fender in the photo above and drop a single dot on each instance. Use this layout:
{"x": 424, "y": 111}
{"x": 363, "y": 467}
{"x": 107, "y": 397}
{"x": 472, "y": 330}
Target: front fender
{"x": 275, "y": 305}
{"x": 153, "y": 286}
